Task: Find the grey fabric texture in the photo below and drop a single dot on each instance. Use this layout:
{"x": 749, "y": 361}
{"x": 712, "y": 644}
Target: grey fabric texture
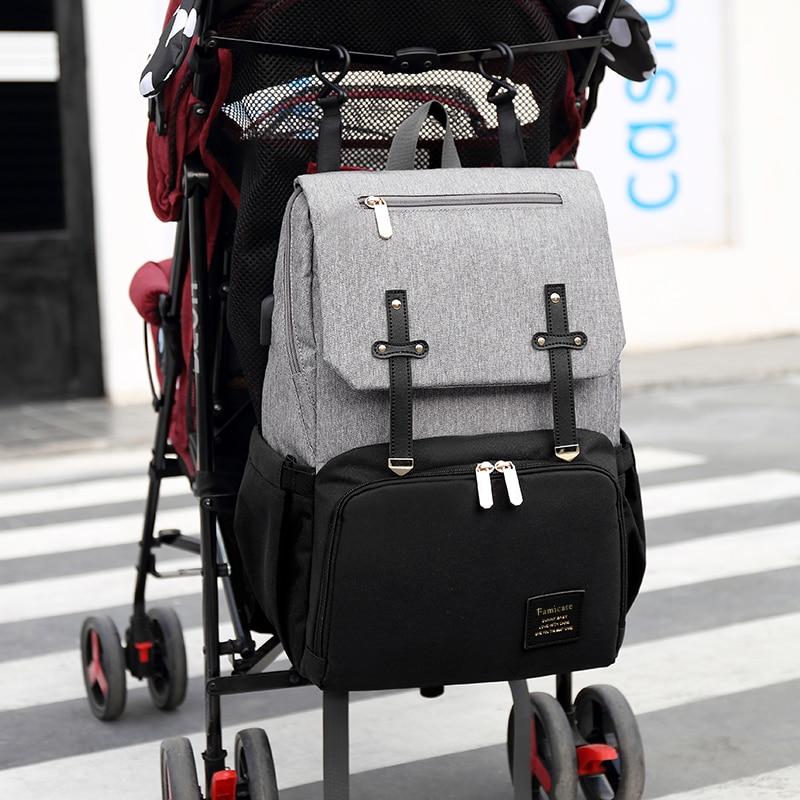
{"x": 474, "y": 275}
{"x": 403, "y": 151}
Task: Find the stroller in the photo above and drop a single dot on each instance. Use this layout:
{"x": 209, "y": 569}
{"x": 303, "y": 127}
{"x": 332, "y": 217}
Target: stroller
{"x": 244, "y": 96}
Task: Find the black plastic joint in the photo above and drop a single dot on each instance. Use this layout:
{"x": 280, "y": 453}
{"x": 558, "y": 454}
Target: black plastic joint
{"x": 414, "y": 60}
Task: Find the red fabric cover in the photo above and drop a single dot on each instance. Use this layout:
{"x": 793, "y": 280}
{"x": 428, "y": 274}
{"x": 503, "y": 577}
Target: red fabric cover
{"x": 187, "y": 133}
{"x": 149, "y": 283}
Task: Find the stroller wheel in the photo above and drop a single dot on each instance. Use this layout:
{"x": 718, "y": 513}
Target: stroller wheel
{"x": 103, "y": 661}
{"x": 603, "y": 716}
{"x": 178, "y": 773}
{"x": 554, "y": 770}
{"x": 255, "y": 769}
{"x": 168, "y": 680}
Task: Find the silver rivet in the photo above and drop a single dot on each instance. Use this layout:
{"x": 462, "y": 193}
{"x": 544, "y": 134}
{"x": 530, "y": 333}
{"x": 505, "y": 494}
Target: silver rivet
{"x": 541, "y": 341}
{"x": 419, "y": 348}
{"x": 381, "y": 348}
{"x": 555, "y": 298}
{"x": 396, "y": 304}
{"x": 578, "y": 341}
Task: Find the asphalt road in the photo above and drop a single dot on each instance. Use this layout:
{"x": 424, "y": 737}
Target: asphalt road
{"x": 711, "y": 661}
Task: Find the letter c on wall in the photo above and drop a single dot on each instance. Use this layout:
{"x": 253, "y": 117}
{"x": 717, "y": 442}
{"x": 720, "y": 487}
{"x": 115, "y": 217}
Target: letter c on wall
{"x": 654, "y": 205}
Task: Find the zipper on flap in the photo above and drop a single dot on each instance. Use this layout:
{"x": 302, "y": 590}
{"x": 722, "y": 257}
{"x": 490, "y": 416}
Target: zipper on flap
{"x": 381, "y": 204}
{"x": 483, "y": 477}
{"x": 291, "y": 345}
{"x": 382, "y": 217}
{"x": 526, "y": 468}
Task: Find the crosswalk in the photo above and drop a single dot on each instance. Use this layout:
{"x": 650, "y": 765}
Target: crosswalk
{"x": 59, "y": 560}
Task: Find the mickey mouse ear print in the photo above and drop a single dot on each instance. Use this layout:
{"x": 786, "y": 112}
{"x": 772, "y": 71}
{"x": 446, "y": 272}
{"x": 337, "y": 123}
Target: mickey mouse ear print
{"x": 172, "y": 48}
{"x": 631, "y": 52}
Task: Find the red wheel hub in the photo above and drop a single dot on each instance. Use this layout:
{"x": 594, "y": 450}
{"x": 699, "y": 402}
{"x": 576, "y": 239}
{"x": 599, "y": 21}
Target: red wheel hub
{"x": 592, "y": 757}
{"x": 94, "y": 669}
{"x": 143, "y": 649}
{"x": 223, "y": 785}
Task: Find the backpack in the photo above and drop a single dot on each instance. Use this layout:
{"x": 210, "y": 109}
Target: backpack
{"x": 441, "y": 492}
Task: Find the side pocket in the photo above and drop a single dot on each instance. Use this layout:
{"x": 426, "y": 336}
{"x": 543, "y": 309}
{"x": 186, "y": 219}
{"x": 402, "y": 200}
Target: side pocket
{"x": 634, "y": 518}
{"x": 273, "y": 529}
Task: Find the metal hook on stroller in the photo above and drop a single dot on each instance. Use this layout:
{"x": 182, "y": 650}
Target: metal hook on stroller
{"x": 501, "y": 94}
{"x": 330, "y": 99}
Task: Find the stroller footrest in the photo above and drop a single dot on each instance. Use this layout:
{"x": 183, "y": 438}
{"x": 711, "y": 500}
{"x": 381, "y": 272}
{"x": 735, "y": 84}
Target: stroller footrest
{"x": 174, "y": 538}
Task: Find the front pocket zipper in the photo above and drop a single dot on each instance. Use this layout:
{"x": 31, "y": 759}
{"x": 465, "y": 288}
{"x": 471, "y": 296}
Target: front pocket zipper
{"x": 380, "y": 205}
{"x": 446, "y": 473}
{"x": 483, "y": 477}
{"x": 291, "y": 345}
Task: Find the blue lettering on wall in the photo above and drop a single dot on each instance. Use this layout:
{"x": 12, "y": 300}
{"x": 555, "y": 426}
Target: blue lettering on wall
{"x": 655, "y": 205}
{"x": 653, "y": 141}
{"x": 666, "y": 12}
{"x": 641, "y": 92}
{"x": 665, "y": 139}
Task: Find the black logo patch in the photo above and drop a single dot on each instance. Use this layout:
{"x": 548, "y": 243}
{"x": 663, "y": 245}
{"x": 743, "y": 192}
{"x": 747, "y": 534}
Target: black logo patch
{"x": 553, "y": 619}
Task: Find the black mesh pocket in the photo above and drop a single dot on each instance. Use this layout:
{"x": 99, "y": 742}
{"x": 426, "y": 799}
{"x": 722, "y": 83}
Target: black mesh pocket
{"x": 273, "y": 530}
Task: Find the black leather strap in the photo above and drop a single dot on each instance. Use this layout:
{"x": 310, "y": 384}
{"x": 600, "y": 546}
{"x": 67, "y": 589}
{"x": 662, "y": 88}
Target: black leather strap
{"x": 565, "y": 431}
{"x": 399, "y": 352}
{"x": 329, "y": 144}
{"x": 512, "y": 146}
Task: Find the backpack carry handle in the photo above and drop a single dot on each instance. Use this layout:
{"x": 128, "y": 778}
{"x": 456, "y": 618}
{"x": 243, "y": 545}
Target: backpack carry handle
{"x": 403, "y": 149}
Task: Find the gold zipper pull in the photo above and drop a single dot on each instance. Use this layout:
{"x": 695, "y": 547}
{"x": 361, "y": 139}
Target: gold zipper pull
{"x": 382, "y": 217}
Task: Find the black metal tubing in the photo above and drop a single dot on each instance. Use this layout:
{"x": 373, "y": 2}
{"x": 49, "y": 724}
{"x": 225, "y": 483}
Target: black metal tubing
{"x": 196, "y": 186}
{"x": 564, "y": 694}
{"x": 606, "y": 15}
{"x": 260, "y": 682}
{"x": 160, "y": 467}
{"x": 386, "y": 60}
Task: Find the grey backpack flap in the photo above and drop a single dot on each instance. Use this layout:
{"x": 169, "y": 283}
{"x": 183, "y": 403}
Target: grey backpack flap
{"x": 441, "y": 470}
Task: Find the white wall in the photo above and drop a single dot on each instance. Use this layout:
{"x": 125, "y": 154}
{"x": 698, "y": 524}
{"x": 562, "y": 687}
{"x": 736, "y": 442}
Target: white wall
{"x": 127, "y": 232}
{"x": 718, "y": 264}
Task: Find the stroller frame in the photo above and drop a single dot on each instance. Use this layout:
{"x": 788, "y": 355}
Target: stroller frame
{"x": 189, "y": 263}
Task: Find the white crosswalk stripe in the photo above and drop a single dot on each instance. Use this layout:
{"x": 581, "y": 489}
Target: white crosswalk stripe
{"x": 29, "y": 472}
{"x": 69, "y": 537}
{"x": 87, "y": 493}
{"x": 468, "y": 717}
{"x": 670, "y": 566}
{"x": 782, "y": 784}
{"x": 684, "y": 563}
{"x": 75, "y": 593}
{"x": 672, "y": 499}
{"x": 692, "y": 667}
{"x": 657, "y": 459}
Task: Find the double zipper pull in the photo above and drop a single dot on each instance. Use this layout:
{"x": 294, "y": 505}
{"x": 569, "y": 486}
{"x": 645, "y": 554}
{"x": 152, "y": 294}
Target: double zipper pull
{"x": 382, "y": 218}
{"x": 483, "y": 475}
{"x": 509, "y": 473}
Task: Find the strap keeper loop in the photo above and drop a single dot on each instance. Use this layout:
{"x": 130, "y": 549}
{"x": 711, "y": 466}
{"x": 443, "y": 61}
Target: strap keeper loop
{"x": 568, "y": 452}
